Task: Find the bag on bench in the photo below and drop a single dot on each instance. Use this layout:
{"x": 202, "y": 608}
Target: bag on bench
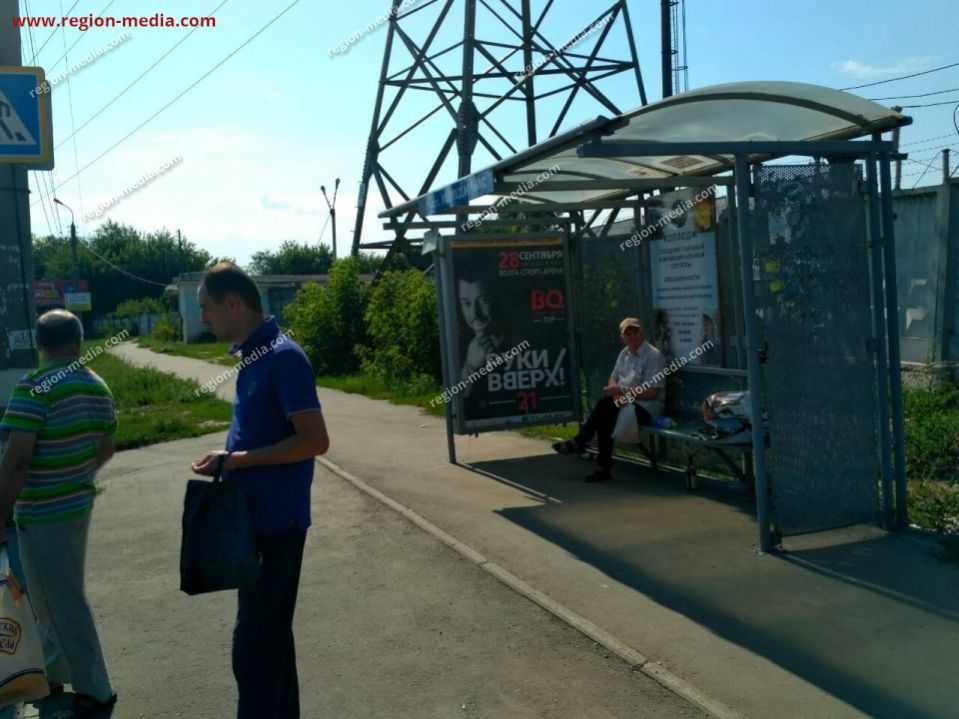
{"x": 627, "y": 425}
{"x": 725, "y": 414}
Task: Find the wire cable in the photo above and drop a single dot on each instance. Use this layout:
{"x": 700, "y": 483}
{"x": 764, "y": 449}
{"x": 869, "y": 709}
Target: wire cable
{"x": 928, "y": 167}
{"x": 929, "y": 139}
{"x": 184, "y": 92}
{"x": 44, "y": 198}
{"x": 323, "y": 231}
{"x": 33, "y": 60}
{"x": 105, "y": 261}
{"x": 73, "y": 122}
{"x": 910, "y": 97}
{"x": 138, "y": 78}
{"x": 82, "y": 35}
{"x": 932, "y": 104}
{"x": 904, "y": 77}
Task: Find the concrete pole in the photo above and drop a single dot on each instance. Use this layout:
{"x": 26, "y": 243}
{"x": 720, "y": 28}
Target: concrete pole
{"x": 17, "y": 311}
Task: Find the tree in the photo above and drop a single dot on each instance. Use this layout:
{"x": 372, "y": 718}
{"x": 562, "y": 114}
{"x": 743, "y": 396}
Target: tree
{"x": 117, "y": 260}
{"x": 292, "y": 258}
{"x": 327, "y": 322}
{"x": 403, "y": 330}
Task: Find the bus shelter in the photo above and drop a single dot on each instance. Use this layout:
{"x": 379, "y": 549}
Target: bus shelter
{"x": 758, "y": 224}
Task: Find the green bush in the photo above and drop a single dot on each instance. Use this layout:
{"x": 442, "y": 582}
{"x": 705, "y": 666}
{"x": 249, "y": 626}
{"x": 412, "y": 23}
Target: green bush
{"x": 165, "y": 331}
{"x": 106, "y": 330}
{"x": 144, "y": 305}
{"x": 932, "y": 460}
{"x": 403, "y": 331}
{"x": 327, "y": 322}
{"x": 932, "y": 432}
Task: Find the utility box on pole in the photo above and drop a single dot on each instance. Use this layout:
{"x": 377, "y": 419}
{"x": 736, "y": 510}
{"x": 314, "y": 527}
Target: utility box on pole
{"x": 26, "y": 142}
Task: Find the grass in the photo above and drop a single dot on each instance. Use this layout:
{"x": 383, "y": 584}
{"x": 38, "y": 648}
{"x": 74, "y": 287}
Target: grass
{"x": 420, "y": 395}
{"x": 155, "y": 406}
{"x": 207, "y": 351}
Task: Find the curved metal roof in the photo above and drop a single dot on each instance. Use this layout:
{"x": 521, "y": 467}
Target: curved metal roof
{"x": 743, "y": 112}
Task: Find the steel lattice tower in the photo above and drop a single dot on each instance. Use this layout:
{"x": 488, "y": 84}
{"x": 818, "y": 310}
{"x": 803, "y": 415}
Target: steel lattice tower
{"x": 443, "y": 73}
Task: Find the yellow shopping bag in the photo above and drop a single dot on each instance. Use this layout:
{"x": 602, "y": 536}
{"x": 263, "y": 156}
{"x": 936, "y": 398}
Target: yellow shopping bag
{"x": 22, "y": 673}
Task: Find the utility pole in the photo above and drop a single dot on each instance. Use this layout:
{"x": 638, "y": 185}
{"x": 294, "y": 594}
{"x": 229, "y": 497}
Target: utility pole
{"x": 945, "y": 167}
{"x": 666, "y": 30}
{"x": 17, "y": 347}
{"x": 179, "y": 256}
{"x": 332, "y": 208}
{"x": 895, "y": 140}
{"x": 74, "y": 260}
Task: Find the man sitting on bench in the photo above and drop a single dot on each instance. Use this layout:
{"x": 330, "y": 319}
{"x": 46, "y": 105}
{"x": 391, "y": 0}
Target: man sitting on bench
{"x": 629, "y": 384}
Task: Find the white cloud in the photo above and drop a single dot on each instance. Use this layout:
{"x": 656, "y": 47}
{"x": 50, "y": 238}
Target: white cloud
{"x": 862, "y": 70}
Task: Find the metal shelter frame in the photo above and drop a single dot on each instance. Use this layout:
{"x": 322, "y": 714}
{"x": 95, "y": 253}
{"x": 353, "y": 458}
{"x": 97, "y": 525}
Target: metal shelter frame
{"x": 457, "y": 200}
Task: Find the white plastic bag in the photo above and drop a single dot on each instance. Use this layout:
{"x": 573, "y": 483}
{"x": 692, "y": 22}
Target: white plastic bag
{"x": 627, "y": 426}
{"x": 22, "y": 673}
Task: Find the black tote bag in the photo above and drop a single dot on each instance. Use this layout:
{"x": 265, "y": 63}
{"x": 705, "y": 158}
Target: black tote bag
{"x": 218, "y": 550}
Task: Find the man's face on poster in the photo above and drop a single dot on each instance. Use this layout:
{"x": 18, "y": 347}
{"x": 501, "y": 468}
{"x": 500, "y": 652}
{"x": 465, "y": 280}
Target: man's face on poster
{"x": 476, "y": 306}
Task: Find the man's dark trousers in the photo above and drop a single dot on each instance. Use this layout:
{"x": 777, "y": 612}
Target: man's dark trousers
{"x": 264, "y": 658}
{"x": 602, "y": 422}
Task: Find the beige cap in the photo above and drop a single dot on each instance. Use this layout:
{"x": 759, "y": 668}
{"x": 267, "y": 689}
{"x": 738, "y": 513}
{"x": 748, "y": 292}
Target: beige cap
{"x": 629, "y": 322}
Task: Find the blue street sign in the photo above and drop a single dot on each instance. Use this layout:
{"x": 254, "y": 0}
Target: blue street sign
{"x": 459, "y": 193}
{"x": 26, "y": 128}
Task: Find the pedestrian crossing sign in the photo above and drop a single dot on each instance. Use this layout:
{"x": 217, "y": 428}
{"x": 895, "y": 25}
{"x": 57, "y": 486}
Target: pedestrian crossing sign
{"x": 26, "y": 129}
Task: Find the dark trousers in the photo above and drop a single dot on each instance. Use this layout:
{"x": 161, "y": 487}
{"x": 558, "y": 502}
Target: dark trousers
{"x": 601, "y": 422}
{"x": 264, "y": 658}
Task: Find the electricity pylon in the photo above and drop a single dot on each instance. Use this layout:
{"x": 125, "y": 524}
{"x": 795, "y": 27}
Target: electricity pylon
{"x": 445, "y": 78}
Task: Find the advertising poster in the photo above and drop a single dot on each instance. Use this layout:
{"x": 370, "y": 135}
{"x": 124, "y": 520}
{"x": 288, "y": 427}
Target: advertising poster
{"x": 684, "y": 279}
{"x": 68, "y": 294}
{"x": 511, "y": 362}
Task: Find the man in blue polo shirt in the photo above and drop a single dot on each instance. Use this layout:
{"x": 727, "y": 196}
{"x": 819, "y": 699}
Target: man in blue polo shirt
{"x": 277, "y": 430}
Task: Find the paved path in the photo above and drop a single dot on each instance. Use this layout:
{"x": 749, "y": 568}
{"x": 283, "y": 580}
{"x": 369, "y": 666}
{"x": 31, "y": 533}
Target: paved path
{"x": 848, "y": 624}
{"x": 390, "y": 621}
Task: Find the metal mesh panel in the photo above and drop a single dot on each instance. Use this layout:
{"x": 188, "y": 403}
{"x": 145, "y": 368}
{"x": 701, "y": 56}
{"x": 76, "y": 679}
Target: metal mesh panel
{"x": 812, "y": 291}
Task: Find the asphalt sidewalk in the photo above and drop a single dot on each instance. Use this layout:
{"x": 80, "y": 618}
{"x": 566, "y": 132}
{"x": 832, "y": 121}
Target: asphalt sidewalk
{"x": 849, "y": 624}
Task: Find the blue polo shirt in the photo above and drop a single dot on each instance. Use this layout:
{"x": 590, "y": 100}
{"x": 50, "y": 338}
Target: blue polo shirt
{"x": 275, "y": 381}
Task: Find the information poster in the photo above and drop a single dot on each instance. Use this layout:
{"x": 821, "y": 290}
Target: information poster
{"x": 69, "y": 294}
{"x": 685, "y": 283}
{"x": 507, "y": 332}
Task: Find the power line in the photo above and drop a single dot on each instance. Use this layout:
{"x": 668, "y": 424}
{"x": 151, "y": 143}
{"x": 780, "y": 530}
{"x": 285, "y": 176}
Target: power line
{"x": 139, "y": 77}
{"x": 82, "y": 35}
{"x": 904, "y": 77}
{"x": 928, "y": 139}
{"x": 119, "y": 269}
{"x": 44, "y": 198}
{"x": 175, "y": 99}
{"x": 33, "y": 61}
{"x": 910, "y": 97}
{"x": 937, "y": 149}
{"x": 933, "y": 104}
{"x": 73, "y": 122}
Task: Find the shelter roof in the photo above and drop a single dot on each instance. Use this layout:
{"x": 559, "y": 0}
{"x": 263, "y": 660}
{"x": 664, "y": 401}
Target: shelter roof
{"x": 743, "y": 112}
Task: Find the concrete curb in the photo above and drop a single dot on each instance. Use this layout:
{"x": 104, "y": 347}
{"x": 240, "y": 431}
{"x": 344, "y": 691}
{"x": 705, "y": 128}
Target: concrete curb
{"x": 636, "y": 660}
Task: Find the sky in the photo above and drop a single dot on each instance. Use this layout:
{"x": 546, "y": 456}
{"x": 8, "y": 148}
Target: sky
{"x": 248, "y": 147}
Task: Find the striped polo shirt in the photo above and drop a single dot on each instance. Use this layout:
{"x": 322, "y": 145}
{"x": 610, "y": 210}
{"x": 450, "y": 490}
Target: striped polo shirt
{"x": 68, "y": 407}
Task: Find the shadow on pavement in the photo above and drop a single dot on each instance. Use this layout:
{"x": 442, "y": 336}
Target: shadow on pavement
{"x": 837, "y": 616}
{"x": 60, "y": 707}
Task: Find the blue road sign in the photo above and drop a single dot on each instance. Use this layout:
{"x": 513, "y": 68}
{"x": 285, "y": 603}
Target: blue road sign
{"x": 26, "y": 129}
{"x": 459, "y": 193}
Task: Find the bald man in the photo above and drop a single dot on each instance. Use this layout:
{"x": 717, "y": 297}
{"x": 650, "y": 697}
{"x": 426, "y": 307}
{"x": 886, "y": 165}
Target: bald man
{"x": 61, "y": 420}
